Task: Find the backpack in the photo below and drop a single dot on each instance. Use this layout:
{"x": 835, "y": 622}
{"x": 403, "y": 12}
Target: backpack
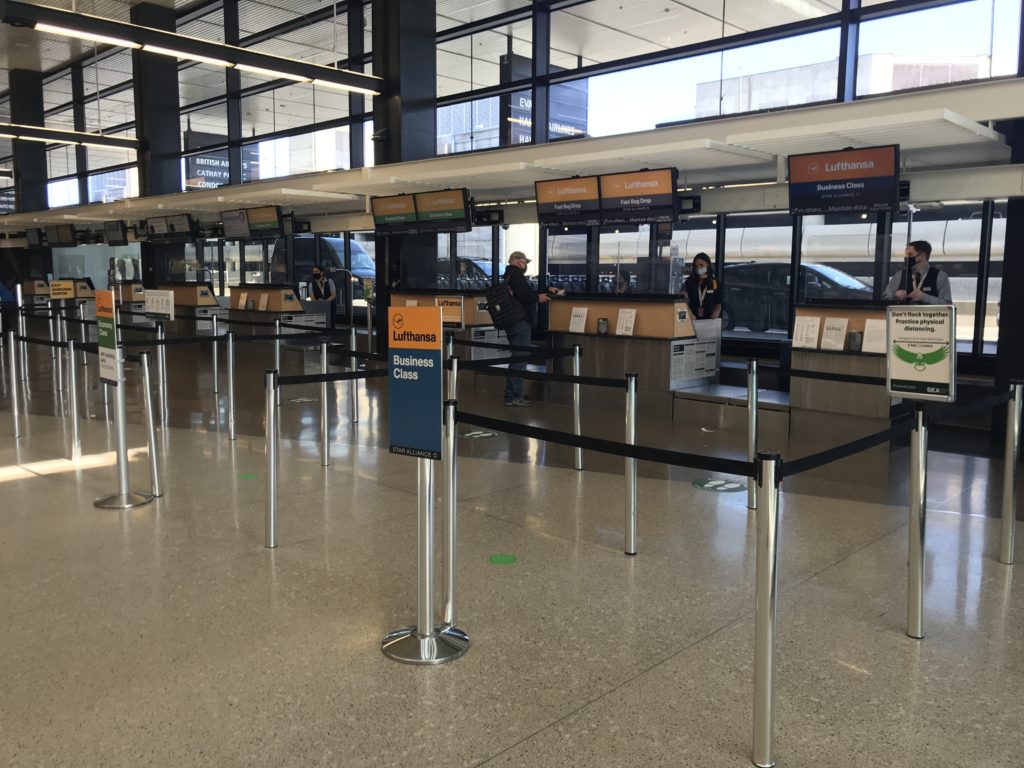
{"x": 504, "y": 309}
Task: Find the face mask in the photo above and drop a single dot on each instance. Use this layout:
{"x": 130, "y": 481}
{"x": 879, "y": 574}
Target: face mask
{"x": 317, "y": 276}
{"x": 702, "y": 271}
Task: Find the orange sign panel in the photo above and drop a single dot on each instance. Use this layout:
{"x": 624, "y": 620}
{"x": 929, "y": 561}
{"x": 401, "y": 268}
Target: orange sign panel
{"x": 847, "y": 164}
{"x": 414, "y": 328}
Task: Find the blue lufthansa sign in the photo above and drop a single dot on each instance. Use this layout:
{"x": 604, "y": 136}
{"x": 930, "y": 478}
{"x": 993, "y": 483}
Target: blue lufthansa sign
{"x": 415, "y": 377}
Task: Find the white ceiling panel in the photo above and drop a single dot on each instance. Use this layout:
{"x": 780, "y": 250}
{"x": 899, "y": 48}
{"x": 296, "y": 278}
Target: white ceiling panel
{"x": 455, "y": 13}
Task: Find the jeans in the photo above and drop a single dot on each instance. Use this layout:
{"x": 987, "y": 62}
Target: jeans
{"x": 518, "y": 336}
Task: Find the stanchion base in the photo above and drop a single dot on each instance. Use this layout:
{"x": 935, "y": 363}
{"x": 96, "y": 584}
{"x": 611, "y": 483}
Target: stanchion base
{"x": 128, "y": 501}
{"x": 405, "y": 646}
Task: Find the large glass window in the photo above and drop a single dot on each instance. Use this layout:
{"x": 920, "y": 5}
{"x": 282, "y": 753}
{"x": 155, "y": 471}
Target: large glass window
{"x": 837, "y": 255}
{"x": 61, "y": 161}
{"x": 501, "y": 55}
{"x": 756, "y": 276}
{"x": 62, "y": 192}
{"x": 292, "y": 106}
{"x": 114, "y": 185}
{"x": 325, "y": 150}
{"x": 567, "y": 258}
{"x": 469, "y": 126}
{"x": 624, "y": 255}
{"x": 948, "y": 44}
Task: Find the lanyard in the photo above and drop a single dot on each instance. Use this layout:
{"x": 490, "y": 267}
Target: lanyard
{"x": 701, "y": 293}
{"x": 918, "y": 280}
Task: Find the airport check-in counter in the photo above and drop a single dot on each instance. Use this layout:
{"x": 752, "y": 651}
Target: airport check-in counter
{"x": 35, "y": 293}
{"x": 839, "y": 394}
{"x": 267, "y": 302}
{"x": 195, "y": 304}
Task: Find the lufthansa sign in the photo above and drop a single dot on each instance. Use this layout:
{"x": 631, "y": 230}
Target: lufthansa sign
{"x": 414, "y": 376}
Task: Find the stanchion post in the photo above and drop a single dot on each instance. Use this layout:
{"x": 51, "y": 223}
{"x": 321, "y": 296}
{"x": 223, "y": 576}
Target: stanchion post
{"x": 630, "y": 547}
{"x": 83, "y": 333}
{"x": 325, "y": 427}
{"x": 577, "y": 406}
{"x": 271, "y": 448}
{"x": 231, "y": 385}
{"x": 76, "y": 438}
{"x": 58, "y": 357}
{"x": 147, "y": 404}
{"x": 766, "y": 594}
{"x": 425, "y": 643}
{"x": 216, "y": 362}
{"x": 353, "y": 385}
{"x": 1011, "y": 458}
{"x": 451, "y": 504}
{"x": 161, "y": 364}
{"x": 124, "y": 498}
{"x": 277, "y": 356}
{"x": 918, "y": 508}
{"x": 22, "y": 331}
{"x": 51, "y": 325}
{"x": 453, "y": 378}
{"x": 12, "y": 365}
{"x": 751, "y": 427}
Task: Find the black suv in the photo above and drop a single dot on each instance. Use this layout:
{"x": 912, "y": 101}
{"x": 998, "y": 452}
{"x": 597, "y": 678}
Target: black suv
{"x": 757, "y": 295}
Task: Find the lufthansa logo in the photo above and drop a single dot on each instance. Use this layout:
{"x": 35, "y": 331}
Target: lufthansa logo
{"x": 398, "y": 322}
{"x": 812, "y": 168}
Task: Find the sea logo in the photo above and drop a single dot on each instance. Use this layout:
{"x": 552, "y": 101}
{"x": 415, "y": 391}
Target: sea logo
{"x": 397, "y": 322}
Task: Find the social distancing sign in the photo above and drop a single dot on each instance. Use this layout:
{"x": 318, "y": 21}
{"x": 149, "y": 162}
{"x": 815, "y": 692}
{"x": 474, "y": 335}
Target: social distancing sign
{"x": 921, "y": 352}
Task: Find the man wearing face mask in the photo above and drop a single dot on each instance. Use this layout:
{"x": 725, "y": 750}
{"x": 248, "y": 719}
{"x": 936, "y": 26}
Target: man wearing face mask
{"x": 321, "y": 288}
{"x": 919, "y": 282}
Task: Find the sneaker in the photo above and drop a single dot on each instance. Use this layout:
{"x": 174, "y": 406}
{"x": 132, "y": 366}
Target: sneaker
{"x": 519, "y": 402}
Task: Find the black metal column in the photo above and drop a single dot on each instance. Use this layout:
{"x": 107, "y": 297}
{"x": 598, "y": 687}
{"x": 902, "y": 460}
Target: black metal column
{"x": 157, "y": 112}
{"x": 720, "y": 229}
{"x": 78, "y": 113}
{"x": 849, "y": 34}
{"x": 883, "y": 253}
{"x": 356, "y": 101}
{"x": 405, "y": 126}
{"x": 1010, "y": 352}
{"x": 30, "y": 174}
{"x": 988, "y": 208}
{"x": 541, "y": 67}
{"x": 233, "y": 88}
{"x": 795, "y": 283}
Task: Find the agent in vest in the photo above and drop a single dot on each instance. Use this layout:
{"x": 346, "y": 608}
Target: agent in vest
{"x": 919, "y": 282}
{"x": 321, "y": 288}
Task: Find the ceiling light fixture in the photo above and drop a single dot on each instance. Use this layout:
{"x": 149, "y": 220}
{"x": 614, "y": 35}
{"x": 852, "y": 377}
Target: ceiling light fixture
{"x": 183, "y": 55}
{"x": 272, "y": 73}
{"x": 91, "y": 36}
{"x": 341, "y": 87}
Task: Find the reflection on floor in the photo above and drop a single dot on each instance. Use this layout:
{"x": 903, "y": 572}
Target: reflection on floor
{"x": 169, "y": 636}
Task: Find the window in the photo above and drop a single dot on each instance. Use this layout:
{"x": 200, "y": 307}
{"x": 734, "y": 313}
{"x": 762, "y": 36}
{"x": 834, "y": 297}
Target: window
{"x": 469, "y": 126}
{"x": 756, "y": 276}
{"x": 106, "y": 157}
{"x": 61, "y": 193}
{"x": 113, "y": 185}
{"x": 624, "y": 254}
{"x": 61, "y": 161}
{"x": 291, "y": 106}
{"x": 501, "y": 55}
{"x": 956, "y": 42}
{"x": 325, "y": 150}
{"x": 567, "y": 258}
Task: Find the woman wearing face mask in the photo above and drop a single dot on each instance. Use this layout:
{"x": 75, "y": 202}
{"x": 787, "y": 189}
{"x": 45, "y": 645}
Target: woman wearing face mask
{"x": 701, "y": 290}
{"x": 919, "y": 282}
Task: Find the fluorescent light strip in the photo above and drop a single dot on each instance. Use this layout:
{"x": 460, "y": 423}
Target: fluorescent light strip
{"x": 271, "y": 73}
{"x": 51, "y": 28}
{"x": 46, "y": 140}
{"x": 342, "y": 87}
{"x": 183, "y": 55}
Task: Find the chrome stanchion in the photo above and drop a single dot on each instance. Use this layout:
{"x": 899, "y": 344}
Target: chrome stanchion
{"x": 425, "y": 643}
{"x": 124, "y": 498}
{"x": 51, "y": 325}
{"x": 58, "y": 359}
{"x": 918, "y": 508}
{"x": 449, "y": 460}
{"x": 453, "y": 378}
{"x": 325, "y": 427}
{"x": 216, "y": 367}
{"x": 353, "y": 385}
{"x": 12, "y": 365}
{"x": 751, "y": 427}
{"x": 271, "y": 448}
{"x": 231, "y": 385}
{"x": 147, "y": 404}
{"x": 22, "y": 330}
{"x": 577, "y": 405}
{"x": 161, "y": 367}
{"x": 631, "y": 464}
{"x": 369, "y": 327}
{"x": 1011, "y": 457}
{"x": 83, "y": 333}
{"x": 766, "y": 593}
{"x": 277, "y": 356}
{"x": 76, "y": 438}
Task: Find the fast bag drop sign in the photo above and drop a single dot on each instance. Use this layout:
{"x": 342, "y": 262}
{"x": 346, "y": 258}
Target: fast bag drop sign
{"x": 414, "y": 381}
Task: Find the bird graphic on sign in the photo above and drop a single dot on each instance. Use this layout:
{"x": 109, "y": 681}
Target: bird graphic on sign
{"x": 921, "y": 360}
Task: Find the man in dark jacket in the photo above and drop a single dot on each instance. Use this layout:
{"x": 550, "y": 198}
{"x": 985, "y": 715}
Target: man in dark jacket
{"x": 519, "y": 334}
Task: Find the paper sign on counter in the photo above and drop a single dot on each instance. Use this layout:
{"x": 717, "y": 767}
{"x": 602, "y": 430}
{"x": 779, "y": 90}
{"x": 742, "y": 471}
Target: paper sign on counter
{"x": 834, "y": 336}
{"x": 874, "y": 337}
{"x": 578, "y": 321}
{"x": 805, "y": 332}
{"x": 626, "y": 321}
{"x": 264, "y": 301}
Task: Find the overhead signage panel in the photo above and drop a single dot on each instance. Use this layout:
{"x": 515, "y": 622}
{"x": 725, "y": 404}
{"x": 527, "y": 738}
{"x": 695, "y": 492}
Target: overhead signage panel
{"x": 921, "y": 352}
{"x": 395, "y": 215}
{"x": 445, "y": 211}
{"x": 848, "y": 181}
{"x": 569, "y": 202}
{"x": 414, "y": 381}
{"x": 644, "y": 197}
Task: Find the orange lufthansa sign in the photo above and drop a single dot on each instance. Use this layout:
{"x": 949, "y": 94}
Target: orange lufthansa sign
{"x": 584, "y": 188}
{"x": 414, "y": 328}
{"x": 105, "y": 304}
{"x": 846, "y": 164}
{"x": 640, "y": 183}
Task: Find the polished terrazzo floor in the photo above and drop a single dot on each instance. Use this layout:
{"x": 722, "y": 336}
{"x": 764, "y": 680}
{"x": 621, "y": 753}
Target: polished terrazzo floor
{"x": 169, "y": 636}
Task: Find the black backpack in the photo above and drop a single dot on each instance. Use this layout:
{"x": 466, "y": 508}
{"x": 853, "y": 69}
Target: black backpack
{"x": 503, "y": 307}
